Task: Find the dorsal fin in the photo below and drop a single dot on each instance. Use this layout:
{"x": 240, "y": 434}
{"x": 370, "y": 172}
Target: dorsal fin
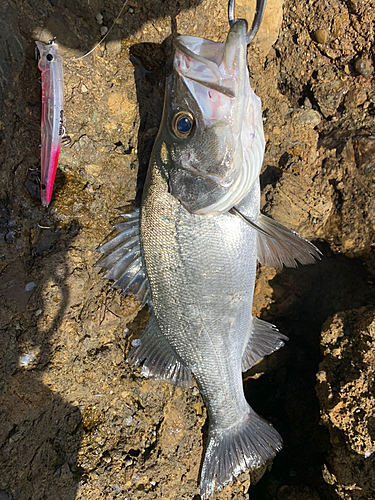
{"x": 123, "y": 259}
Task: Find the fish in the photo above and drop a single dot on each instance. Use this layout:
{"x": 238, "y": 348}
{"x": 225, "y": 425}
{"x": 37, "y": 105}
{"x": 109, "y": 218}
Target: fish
{"x": 50, "y": 64}
{"x": 190, "y": 251}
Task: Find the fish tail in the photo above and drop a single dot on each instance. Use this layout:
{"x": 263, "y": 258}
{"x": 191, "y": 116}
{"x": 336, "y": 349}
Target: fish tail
{"x": 242, "y": 447}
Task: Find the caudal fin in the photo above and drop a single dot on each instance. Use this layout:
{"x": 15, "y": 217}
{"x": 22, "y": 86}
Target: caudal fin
{"x": 242, "y": 447}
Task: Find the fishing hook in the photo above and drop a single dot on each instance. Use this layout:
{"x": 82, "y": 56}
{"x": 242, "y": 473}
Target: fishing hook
{"x": 259, "y": 11}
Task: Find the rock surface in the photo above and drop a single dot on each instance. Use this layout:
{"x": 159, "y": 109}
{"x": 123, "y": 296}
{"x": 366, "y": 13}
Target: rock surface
{"x": 77, "y": 422}
{"x": 346, "y": 389}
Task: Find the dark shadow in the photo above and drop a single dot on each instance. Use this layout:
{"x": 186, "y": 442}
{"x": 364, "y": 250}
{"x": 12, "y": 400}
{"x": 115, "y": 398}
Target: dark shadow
{"x": 285, "y": 395}
{"x": 41, "y": 434}
{"x": 152, "y": 64}
{"x": 270, "y": 176}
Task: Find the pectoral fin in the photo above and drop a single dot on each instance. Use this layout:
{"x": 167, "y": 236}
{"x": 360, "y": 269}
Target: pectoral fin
{"x": 282, "y": 246}
{"x": 158, "y": 359}
{"x": 278, "y": 245}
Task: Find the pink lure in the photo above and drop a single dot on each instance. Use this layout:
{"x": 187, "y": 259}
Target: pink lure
{"x": 52, "y": 129}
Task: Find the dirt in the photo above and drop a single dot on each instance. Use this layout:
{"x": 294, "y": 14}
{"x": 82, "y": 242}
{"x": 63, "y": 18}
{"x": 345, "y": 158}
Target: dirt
{"x": 76, "y": 421}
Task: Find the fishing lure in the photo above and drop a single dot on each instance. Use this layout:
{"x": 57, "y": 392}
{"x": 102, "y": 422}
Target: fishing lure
{"x": 50, "y": 64}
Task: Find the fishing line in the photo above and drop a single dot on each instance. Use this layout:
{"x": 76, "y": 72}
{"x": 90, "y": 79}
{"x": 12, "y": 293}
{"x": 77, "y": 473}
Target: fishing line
{"x": 103, "y": 38}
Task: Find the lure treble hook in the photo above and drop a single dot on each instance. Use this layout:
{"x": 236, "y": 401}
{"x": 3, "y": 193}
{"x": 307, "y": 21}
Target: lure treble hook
{"x": 259, "y": 11}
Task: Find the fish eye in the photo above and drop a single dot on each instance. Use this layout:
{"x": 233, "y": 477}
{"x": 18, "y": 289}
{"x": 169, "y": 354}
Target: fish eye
{"x": 183, "y": 124}
{"x": 49, "y": 57}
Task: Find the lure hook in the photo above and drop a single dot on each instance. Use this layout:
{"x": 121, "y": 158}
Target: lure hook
{"x": 259, "y": 11}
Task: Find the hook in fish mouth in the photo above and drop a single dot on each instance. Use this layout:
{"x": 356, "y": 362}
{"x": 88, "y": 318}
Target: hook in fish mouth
{"x": 259, "y": 11}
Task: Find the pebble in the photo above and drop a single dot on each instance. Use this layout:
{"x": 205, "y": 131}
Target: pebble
{"x": 308, "y": 118}
{"x": 320, "y": 36}
{"x": 103, "y": 30}
{"x": 364, "y": 67}
{"x": 99, "y": 18}
{"x": 30, "y": 286}
{"x": 26, "y": 359}
{"x": 116, "y": 489}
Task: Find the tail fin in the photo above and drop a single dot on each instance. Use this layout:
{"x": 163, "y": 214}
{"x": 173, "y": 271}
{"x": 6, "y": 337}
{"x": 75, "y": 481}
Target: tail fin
{"x": 244, "y": 446}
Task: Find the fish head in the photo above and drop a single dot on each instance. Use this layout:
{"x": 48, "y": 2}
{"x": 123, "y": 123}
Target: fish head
{"x": 212, "y": 123}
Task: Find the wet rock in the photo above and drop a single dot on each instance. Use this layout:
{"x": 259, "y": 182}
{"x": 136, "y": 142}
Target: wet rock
{"x": 12, "y": 47}
{"x": 346, "y": 393}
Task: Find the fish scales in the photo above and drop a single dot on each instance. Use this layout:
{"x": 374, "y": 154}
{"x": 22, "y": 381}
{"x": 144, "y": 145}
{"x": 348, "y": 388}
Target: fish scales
{"x": 201, "y": 233}
{"x": 203, "y": 296}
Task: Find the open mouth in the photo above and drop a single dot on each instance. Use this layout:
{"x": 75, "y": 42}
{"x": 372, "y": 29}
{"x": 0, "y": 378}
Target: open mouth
{"x": 202, "y": 70}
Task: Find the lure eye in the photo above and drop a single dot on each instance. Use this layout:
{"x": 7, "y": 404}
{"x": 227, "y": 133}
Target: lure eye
{"x": 183, "y": 124}
{"x": 49, "y": 57}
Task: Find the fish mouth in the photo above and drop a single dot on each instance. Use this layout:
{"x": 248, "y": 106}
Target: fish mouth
{"x": 212, "y": 64}
{"x": 217, "y": 78}
{"x": 216, "y": 83}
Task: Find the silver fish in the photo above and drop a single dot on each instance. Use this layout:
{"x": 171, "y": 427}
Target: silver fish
{"x": 192, "y": 249}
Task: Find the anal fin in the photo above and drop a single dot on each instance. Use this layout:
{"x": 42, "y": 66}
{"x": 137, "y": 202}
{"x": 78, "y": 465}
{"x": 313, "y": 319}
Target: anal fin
{"x": 158, "y": 359}
{"x": 265, "y": 338}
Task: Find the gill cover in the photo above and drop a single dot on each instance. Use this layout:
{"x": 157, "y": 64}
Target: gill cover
{"x": 213, "y": 166}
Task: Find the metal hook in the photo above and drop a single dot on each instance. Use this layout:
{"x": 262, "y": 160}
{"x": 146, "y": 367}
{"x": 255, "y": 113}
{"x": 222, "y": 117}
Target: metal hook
{"x": 259, "y": 11}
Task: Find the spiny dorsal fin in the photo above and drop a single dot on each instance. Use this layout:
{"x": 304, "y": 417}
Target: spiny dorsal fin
{"x": 158, "y": 359}
{"x": 123, "y": 259}
{"x": 265, "y": 338}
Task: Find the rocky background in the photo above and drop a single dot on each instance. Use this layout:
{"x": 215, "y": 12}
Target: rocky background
{"x": 76, "y": 421}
